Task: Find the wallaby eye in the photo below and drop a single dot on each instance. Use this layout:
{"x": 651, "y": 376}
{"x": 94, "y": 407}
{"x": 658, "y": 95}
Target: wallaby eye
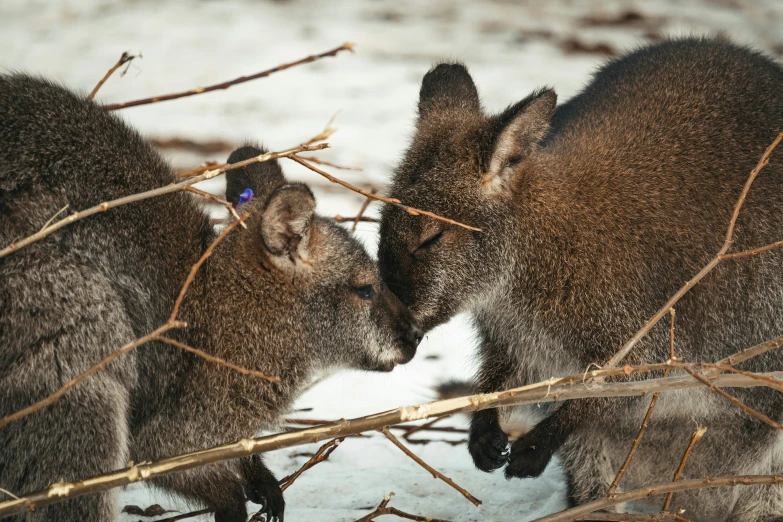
{"x": 430, "y": 242}
{"x": 365, "y": 292}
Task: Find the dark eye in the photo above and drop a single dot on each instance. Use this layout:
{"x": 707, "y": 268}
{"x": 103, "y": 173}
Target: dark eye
{"x": 365, "y": 292}
{"x": 428, "y": 243}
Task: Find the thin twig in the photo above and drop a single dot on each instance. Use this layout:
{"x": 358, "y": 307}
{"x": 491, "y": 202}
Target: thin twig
{"x": 226, "y": 85}
{"x": 216, "y": 199}
{"x": 213, "y": 359}
{"x": 383, "y": 509}
{"x": 735, "y": 401}
{"x": 720, "y": 256}
{"x": 168, "y": 189}
{"x": 629, "y": 517}
{"x": 209, "y": 165}
{"x": 125, "y": 58}
{"x": 365, "y": 219}
{"x": 578, "y": 512}
{"x": 389, "y": 201}
{"x": 647, "y": 416}
{"x": 359, "y": 215}
{"x": 695, "y": 436}
{"x": 321, "y": 455}
{"x": 435, "y": 473}
{"x": 315, "y": 159}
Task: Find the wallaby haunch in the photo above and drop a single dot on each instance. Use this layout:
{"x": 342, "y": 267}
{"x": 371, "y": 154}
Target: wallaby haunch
{"x": 593, "y": 214}
{"x": 292, "y": 296}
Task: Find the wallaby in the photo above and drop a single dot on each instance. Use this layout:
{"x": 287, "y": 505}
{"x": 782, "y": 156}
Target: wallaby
{"x": 292, "y": 296}
{"x": 592, "y": 215}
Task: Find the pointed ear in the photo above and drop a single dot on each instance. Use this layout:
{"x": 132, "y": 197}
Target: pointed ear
{"x": 286, "y": 222}
{"x": 446, "y": 86}
{"x": 261, "y": 178}
{"x": 514, "y": 134}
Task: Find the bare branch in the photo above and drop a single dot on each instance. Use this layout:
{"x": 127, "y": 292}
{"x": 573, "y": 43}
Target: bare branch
{"x": 226, "y": 85}
{"x": 390, "y": 201}
{"x": 212, "y": 197}
{"x": 650, "y": 408}
{"x": 383, "y": 509}
{"x": 213, "y": 359}
{"x": 319, "y": 161}
{"x": 125, "y": 58}
{"x": 321, "y": 455}
{"x": 695, "y": 437}
{"x": 435, "y": 473}
{"x": 579, "y": 512}
{"x": 366, "y": 219}
{"x": 736, "y": 402}
{"x": 362, "y": 209}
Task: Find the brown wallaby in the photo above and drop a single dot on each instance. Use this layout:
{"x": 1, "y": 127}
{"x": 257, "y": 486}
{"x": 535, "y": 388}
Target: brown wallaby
{"x": 592, "y": 215}
{"x": 292, "y": 296}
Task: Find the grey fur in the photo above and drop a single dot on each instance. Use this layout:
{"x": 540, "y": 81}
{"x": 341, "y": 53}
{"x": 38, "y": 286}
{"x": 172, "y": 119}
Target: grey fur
{"x": 292, "y": 296}
{"x": 593, "y": 214}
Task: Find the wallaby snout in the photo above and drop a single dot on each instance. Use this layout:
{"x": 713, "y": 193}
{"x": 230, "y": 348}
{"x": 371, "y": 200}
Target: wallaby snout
{"x": 408, "y": 331}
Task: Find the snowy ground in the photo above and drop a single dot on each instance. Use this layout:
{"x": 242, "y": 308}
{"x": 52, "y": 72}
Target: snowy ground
{"x": 511, "y": 48}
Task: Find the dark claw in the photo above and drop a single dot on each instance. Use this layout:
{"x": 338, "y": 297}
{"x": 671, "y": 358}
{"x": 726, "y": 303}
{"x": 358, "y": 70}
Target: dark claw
{"x": 262, "y": 488}
{"x": 529, "y": 457}
{"x": 488, "y": 444}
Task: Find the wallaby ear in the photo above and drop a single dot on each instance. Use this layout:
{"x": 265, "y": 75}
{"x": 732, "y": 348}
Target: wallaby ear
{"x": 448, "y": 85}
{"x": 515, "y": 132}
{"x": 286, "y": 222}
{"x": 261, "y": 178}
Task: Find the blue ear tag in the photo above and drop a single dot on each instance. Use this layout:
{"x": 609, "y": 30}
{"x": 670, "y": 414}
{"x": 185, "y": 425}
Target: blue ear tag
{"x": 245, "y": 196}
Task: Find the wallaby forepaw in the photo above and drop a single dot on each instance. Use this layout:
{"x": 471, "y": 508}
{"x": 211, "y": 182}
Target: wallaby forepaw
{"x": 236, "y": 513}
{"x": 527, "y": 459}
{"x": 488, "y": 448}
{"x": 267, "y": 493}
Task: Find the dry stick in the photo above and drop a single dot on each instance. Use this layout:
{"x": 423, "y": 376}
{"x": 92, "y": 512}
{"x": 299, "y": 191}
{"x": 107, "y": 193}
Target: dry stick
{"x": 646, "y": 421}
{"x": 213, "y": 359}
{"x": 650, "y": 491}
{"x": 168, "y": 189}
{"x": 435, "y": 473}
{"x": 383, "y": 509}
{"x": 390, "y": 201}
{"x": 315, "y": 159}
{"x": 226, "y": 85}
{"x": 208, "y": 196}
{"x": 408, "y": 429}
{"x": 209, "y": 165}
{"x": 695, "y": 436}
{"x": 170, "y": 324}
{"x": 366, "y": 219}
{"x": 321, "y": 455}
{"x": 720, "y": 256}
{"x": 530, "y": 394}
{"x": 125, "y": 58}
{"x": 629, "y": 517}
{"x": 736, "y": 402}
{"x": 361, "y": 211}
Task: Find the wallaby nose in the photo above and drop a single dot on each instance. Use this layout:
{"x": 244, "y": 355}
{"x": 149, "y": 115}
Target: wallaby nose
{"x": 416, "y": 334}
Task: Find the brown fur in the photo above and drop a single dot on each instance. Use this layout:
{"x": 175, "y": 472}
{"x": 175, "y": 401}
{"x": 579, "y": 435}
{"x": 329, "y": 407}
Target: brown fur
{"x": 593, "y": 214}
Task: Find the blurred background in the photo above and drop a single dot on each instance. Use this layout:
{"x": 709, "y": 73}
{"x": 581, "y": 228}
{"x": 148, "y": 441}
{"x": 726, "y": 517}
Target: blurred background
{"x": 511, "y": 47}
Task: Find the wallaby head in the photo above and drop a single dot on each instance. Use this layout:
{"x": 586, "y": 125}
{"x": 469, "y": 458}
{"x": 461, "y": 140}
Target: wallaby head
{"x": 462, "y": 163}
{"x": 333, "y": 291}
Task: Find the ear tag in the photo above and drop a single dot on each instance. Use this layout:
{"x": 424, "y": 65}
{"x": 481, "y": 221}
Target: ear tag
{"x": 245, "y": 197}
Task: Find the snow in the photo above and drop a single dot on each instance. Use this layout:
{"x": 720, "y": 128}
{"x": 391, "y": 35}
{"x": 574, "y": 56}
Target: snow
{"x": 511, "y": 49}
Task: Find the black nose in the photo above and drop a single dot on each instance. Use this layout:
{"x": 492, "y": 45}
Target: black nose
{"x": 415, "y": 334}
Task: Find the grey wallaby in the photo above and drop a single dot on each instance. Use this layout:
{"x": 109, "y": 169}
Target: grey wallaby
{"x": 593, "y": 214}
{"x": 292, "y": 296}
